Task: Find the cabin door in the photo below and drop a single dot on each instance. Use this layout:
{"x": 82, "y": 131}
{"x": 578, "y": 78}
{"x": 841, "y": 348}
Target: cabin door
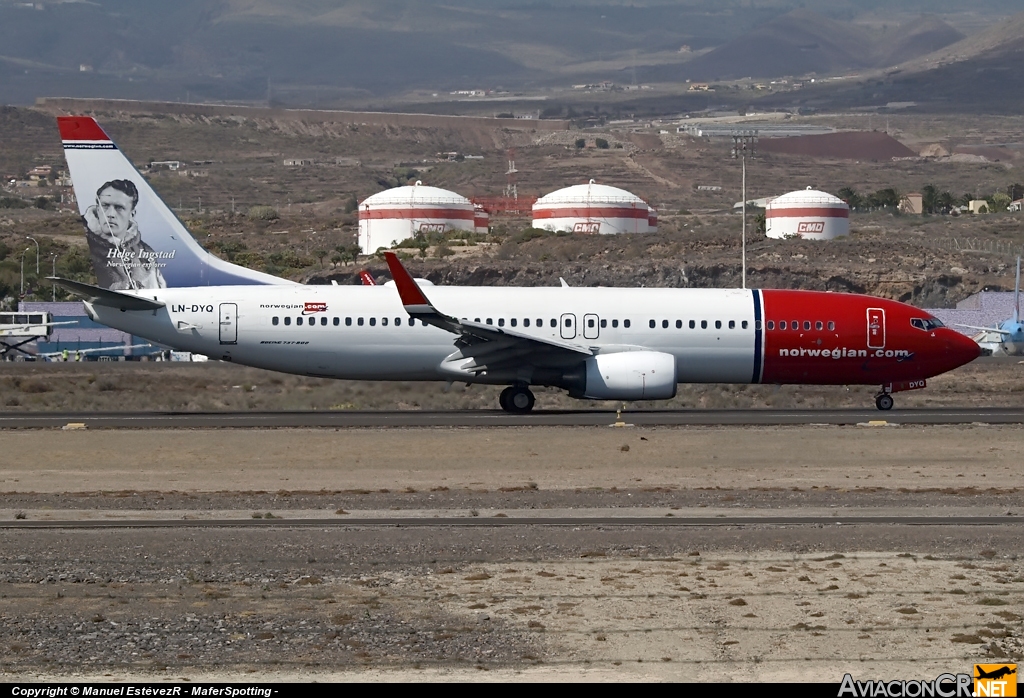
{"x": 229, "y": 323}
{"x": 876, "y": 328}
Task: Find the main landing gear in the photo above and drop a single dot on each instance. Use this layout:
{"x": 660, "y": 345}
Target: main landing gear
{"x": 884, "y": 401}
{"x": 516, "y": 399}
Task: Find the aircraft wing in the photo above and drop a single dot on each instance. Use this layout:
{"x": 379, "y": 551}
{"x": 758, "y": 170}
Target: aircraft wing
{"x": 483, "y": 347}
{"x": 95, "y": 350}
{"x": 106, "y": 297}
{"x": 984, "y": 329}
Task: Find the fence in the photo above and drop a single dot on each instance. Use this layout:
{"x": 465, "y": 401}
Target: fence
{"x": 980, "y": 245}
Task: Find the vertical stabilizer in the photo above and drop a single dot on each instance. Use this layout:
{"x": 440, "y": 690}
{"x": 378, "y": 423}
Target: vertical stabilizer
{"x": 135, "y": 240}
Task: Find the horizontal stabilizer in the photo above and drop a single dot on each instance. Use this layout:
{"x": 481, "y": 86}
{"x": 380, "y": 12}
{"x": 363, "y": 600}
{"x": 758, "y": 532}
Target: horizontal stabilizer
{"x": 106, "y": 297}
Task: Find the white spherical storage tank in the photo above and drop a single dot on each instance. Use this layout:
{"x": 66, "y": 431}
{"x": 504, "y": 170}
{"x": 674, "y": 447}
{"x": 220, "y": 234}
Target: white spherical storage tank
{"x": 593, "y": 208}
{"x": 811, "y": 214}
{"x": 394, "y": 215}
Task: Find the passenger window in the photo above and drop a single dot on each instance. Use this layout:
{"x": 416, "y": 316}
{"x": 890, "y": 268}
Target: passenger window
{"x": 692, "y": 324}
{"x": 298, "y": 321}
{"x": 287, "y": 321}
{"x": 359, "y": 322}
{"x": 664, "y": 324}
{"x": 348, "y": 322}
{"x": 476, "y": 319}
{"x": 625, "y": 324}
{"x": 422, "y": 322}
{"x": 718, "y": 324}
{"x": 490, "y": 321}
{"x": 807, "y": 325}
{"x": 652, "y": 323}
{"x": 782, "y": 325}
{"x": 273, "y": 320}
{"x": 540, "y": 322}
{"x": 819, "y": 325}
{"x": 604, "y": 323}
{"x": 323, "y": 320}
{"x": 771, "y": 325}
{"x": 526, "y": 322}
{"x": 615, "y": 323}
{"x": 679, "y": 324}
{"x": 757, "y": 324}
{"x": 554, "y": 322}
{"x": 590, "y": 322}
{"x": 732, "y": 324}
{"x": 384, "y": 321}
{"x": 831, "y": 326}
{"x": 795, "y": 324}
{"x": 501, "y": 322}
{"x": 337, "y": 321}
{"x": 373, "y": 321}
{"x": 512, "y": 322}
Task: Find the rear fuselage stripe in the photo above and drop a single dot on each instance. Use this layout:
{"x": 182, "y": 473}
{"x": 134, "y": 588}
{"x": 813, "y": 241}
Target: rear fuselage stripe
{"x": 758, "y": 339}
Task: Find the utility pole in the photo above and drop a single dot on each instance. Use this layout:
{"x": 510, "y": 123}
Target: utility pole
{"x": 53, "y": 286}
{"x": 29, "y": 237}
{"x": 742, "y": 144}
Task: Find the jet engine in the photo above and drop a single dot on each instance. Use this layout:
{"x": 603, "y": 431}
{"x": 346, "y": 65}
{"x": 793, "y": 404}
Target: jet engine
{"x": 628, "y": 375}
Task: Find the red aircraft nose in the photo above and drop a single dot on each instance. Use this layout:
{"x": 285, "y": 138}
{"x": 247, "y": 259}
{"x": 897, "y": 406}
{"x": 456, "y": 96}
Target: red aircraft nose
{"x": 961, "y": 349}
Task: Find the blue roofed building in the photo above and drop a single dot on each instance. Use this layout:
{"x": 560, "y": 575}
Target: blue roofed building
{"x": 84, "y": 335}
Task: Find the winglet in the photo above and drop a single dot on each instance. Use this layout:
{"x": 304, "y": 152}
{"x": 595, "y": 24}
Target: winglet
{"x": 408, "y": 290}
{"x": 367, "y": 278}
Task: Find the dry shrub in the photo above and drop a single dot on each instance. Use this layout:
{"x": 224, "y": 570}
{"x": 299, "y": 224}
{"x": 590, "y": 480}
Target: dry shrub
{"x": 33, "y": 386}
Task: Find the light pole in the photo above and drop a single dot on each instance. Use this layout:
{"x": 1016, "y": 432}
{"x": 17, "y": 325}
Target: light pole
{"x": 741, "y": 144}
{"x": 53, "y": 285}
{"x": 29, "y": 237}
{"x": 22, "y": 295}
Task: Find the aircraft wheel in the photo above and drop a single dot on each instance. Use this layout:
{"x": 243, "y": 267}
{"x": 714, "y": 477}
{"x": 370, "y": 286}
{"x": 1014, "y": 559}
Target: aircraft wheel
{"x": 520, "y": 400}
{"x": 884, "y": 402}
{"x": 503, "y": 399}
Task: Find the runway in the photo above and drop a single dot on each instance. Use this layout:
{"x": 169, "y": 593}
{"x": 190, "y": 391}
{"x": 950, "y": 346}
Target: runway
{"x": 510, "y": 522}
{"x": 497, "y": 418}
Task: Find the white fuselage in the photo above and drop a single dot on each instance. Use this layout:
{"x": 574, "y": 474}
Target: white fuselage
{"x": 368, "y": 334}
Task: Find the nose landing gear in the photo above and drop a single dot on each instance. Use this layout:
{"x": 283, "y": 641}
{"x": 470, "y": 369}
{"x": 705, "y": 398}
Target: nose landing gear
{"x": 884, "y": 401}
{"x": 517, "y": 399}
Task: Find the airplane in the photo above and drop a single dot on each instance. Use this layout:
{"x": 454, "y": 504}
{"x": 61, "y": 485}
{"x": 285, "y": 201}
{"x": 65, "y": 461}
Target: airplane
{"x": 623, "y": 344}
{"x": 1008, "y": 336}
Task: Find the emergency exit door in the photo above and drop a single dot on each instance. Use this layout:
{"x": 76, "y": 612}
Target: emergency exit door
{"x": 229, "y": 323}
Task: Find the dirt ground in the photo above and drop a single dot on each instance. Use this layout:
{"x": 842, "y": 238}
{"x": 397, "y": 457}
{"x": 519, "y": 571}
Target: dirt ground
{"x": 548, "y": 458}
{"x": 607, "y": 603}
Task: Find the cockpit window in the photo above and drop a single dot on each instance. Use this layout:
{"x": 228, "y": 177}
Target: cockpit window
{"x": 926, "y": 324}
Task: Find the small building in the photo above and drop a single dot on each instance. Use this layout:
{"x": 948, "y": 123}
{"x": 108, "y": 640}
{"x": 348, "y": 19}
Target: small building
{"x": 809, "y": 214}
{"x": 297, "y": 162}
{"x": 978, "y": 206}
{"x": 1016, "y": 206}
{"x": 481, "y": 219}
{"x": 912, "y": 203}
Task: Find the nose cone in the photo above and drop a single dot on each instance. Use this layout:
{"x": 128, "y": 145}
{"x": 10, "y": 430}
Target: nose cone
{"x": 960, "y": 349}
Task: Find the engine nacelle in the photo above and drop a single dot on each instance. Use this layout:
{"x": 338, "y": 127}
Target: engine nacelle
{"x": 629, "y": 375}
